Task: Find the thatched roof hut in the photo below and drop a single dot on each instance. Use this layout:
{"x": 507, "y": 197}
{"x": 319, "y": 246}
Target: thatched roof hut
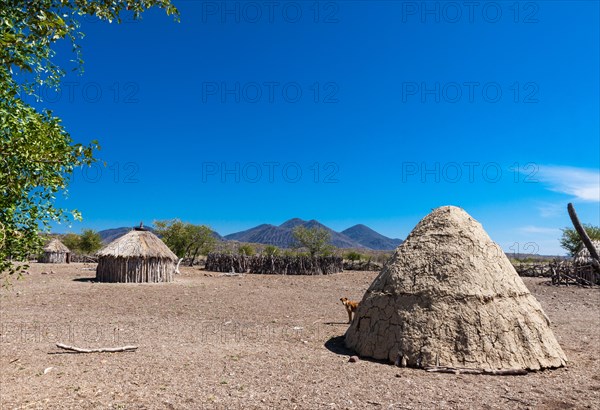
{"x": 55, "y": 252}
{"x": 583, "y": 257}
{"x": 136, "y": 257}
{"x": 449, "y": 297}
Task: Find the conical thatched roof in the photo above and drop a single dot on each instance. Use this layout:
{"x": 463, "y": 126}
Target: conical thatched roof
{"x": 56, "y": 246}
{"x": 138, "y": 244}
{"x": 583, "y": 256}
{"x": 450, "y": 297}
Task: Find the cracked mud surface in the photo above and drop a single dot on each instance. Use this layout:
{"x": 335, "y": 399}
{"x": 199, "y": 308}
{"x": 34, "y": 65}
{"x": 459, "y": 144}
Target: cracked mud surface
{"x": 250, "y": 342}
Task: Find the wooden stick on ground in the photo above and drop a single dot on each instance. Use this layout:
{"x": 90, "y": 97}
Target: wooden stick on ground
{"x": 459, "y": 370}
{"x": 99, "y": 350}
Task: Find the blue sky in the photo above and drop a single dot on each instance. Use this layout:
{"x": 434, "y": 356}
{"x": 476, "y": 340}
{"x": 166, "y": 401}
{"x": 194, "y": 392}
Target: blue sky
{"x": 346, "y": 112}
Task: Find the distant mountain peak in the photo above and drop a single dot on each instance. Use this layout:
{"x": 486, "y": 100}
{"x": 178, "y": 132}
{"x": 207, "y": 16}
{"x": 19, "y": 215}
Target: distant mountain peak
{"x": 282, "y": 235}
{"x": 292, "y": 223}
{"x": 293, "y": 220}
{"x": 265, "y": 226}
{"x": 370, "y": 238}
{"x": 358, "y": 227}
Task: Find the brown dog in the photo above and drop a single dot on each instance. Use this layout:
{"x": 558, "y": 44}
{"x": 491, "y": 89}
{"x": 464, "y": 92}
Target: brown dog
{"x": 350, "y": 306}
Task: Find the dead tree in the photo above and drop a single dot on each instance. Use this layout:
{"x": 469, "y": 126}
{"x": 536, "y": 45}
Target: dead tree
{"x": 584, "y": 237}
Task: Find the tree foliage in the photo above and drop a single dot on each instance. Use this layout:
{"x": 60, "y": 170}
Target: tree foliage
{"x": 290, "y": 253}
{"x": 71, "y": 241}
{"x": 37, "y": 155}
{"x": 90, "y": 241}
{"x": 571, "y": 242}
{"x": 271, "y": 250}
{"x": 315, "y": 240}
{"x": 246, "y": 250}
{"x": 29, "y": 29}
{"x": 186, "y": 240}
{"x": 37, "y": 158}
{"x": 353, "y": 256}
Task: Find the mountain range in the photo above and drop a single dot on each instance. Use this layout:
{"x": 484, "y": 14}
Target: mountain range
{"x": 368, "y": 238}
{"x": 109, "y": 235}
{"x": 357, "y": 236}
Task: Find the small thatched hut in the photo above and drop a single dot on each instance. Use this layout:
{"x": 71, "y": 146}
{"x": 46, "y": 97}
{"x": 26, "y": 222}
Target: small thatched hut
{"x": 55, "y": 252}
{"x": 139, "y": 256}
{"x": 449, "y": 297}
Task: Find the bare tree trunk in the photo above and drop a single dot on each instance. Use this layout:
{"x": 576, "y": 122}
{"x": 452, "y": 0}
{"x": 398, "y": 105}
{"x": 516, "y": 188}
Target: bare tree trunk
{"x": 194, "y": 256}
{"x": 584, "y": 237}
{"x": 187, "y": 250}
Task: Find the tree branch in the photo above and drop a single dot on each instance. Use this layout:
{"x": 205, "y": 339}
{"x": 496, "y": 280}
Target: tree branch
{"x": 99, "y": 350}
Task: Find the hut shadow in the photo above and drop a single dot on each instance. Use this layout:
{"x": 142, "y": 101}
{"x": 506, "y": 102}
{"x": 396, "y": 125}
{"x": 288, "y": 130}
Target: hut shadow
{"x": 336, "y": 345}
{"x": 86, "y": 279}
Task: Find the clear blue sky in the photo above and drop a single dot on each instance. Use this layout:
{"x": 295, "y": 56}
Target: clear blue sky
{"x": 387, "y": 109}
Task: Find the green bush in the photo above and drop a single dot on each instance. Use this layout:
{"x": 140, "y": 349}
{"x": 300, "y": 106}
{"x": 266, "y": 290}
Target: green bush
{"x": 247, "y": 250}
{"x": 353, "y": 256}
{"x": 571, "y": 241}
{"x": 271, "y": 250}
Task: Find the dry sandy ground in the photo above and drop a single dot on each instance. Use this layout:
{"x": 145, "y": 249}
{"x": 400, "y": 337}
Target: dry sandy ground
{"x": 211, "y": 341}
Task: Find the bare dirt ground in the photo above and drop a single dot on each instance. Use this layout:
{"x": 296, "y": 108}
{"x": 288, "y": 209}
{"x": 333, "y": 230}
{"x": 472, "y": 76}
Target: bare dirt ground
{"x": 251, "y": 341}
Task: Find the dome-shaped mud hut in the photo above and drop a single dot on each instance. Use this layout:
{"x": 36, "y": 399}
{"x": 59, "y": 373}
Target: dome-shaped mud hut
{"x": 450, "y": 298}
